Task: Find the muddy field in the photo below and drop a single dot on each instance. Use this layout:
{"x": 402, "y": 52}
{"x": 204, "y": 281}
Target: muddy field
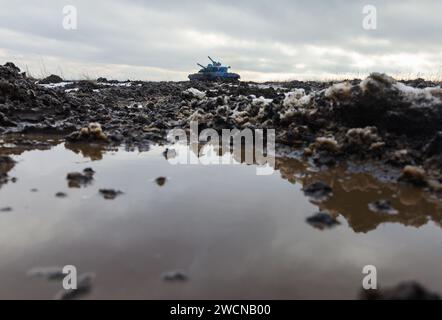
{"x": 367, "y": 152}
{"x": 396, "y": 124}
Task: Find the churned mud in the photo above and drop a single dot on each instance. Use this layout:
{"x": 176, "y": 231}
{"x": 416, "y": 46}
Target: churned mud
{"x": 398, "y": 125}
{"x": 85, "y": 180}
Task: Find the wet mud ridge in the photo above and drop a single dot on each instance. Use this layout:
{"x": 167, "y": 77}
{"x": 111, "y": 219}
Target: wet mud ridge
{"x": 378, "y": 120}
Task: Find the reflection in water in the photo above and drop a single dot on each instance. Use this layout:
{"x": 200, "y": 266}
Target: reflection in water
{"x": 15, "y": 145}
{"x": 353, "y": 193}
{"x": 6, "y": 164}
{"x": 80, "y": 179}
{"x": 322, "y": 221}
{"x": 92, "y": 151}
{"x": 228, "y": 232}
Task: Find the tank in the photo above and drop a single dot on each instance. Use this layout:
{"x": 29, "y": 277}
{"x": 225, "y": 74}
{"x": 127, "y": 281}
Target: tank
{"x": 214, "y": 71}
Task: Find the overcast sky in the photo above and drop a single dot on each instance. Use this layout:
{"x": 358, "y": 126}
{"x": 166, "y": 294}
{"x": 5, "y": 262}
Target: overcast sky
{"x": 261, "y": 40}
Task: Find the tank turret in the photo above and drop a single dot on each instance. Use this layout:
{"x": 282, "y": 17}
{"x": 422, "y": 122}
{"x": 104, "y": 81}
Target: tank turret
{"x": 214, "y": 72}
{"x": 216, "y": 64}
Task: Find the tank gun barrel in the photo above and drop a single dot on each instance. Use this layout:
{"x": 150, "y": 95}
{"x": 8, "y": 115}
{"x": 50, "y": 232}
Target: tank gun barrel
{"x": 214, "y": 62}
{"x": 201, "y": 66}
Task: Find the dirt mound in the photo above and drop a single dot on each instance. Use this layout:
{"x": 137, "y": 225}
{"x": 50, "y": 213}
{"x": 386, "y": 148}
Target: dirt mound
{"x": 51, "y": 79}
{"x": 387, "y": 104}
{"x": 22, "y": 101}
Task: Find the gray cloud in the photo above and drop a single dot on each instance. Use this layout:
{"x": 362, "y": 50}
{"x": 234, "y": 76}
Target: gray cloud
{"x": 162, "y": 40}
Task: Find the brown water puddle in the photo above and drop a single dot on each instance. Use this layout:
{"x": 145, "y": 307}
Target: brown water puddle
{"x": 234, "y": 234}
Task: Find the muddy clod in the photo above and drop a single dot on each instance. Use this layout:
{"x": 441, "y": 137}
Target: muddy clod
{"x": 61, "y": 195}
{"x": 318, "y": 191}
{"x": 322, "y": 220}
{"x": 80, "y": 179}
{"x": 361, "y": 140}
{"x": 382, "y": 206}
{"x": 174, "y": 276}
{"x": 327, "y": 144}
{"x": 110, "y": 194}
{"x": 89, "y": 171}
{"x": 161, "y": 181}
{"x": 413, "y": 175}
{"x": 51, "y": 79}
{"x": 92, "y": 133}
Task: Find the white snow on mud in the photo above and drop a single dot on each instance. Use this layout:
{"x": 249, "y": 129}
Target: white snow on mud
{"x": 195, "y": 93}
{"x": 296, "y": 98}
{"x": 55, "y": 85}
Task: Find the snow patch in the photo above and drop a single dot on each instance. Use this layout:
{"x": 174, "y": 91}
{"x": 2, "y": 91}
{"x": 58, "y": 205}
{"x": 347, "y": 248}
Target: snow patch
{"x": 195, "y": 92}
{"x": 55, "y": 85}
{"x": 261, "y": 101}
{"x": 296, "y": 98}
{"x": 338, "y": 91}
{"x": 118, "y": 84}
{"x": 71, "y": 90}
{"x": 425, "y": 96}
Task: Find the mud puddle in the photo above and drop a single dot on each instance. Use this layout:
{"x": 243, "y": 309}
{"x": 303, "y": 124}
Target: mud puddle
{"x": 148, "y": 229}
